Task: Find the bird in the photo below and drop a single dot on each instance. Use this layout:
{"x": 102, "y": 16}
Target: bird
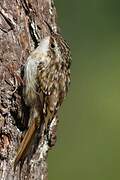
{"x": 47, "y": 80}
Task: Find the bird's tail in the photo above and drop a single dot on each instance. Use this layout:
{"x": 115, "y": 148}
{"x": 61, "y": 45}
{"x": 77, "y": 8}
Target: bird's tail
{"x": 23, "y": 148}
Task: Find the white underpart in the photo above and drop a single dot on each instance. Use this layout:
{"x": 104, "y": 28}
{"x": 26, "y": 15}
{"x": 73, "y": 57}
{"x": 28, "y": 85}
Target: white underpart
{"x": 44, "y": 45}
{"x": 39, "y": 55}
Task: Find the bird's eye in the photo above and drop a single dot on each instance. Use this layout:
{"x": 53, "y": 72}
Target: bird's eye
{"x": 52, "y": 46}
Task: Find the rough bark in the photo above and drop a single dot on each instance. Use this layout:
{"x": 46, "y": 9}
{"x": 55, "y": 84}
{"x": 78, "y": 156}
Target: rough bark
{"x": 23, "y": 23}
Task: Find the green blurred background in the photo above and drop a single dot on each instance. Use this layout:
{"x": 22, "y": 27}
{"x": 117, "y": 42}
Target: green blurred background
{"x": 88, "y": 143}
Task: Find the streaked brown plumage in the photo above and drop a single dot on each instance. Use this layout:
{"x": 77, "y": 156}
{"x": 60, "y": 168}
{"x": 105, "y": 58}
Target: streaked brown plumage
{"x": 47, "y": 78}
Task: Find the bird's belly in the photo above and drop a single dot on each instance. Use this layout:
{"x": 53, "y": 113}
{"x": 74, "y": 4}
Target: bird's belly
{"x": 30, "y": 77}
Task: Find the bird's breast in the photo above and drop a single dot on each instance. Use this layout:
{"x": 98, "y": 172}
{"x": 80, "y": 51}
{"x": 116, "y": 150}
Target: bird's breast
{"x": 30, "y": 77}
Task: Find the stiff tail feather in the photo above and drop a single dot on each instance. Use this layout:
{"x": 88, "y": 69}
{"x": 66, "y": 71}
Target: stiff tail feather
{"x": 22, "y": 150}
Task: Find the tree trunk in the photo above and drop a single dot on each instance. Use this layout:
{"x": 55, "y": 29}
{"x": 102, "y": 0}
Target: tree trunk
{"x": 23, "y": 23}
